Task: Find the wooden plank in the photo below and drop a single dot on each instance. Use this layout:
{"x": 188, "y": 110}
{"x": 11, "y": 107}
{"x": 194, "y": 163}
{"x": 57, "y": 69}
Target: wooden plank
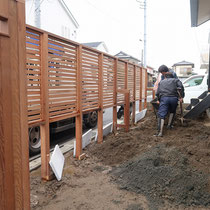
{"x": 100, "y": 101}
{"x": 44, "y": 128}
{"x": 66, "y": 111}
{"x": 127, "y": 111}
{"x": 115, "y": 97}
{"x": 14, "y": 176}
{"x": 79, "y": 104}
{"x": 146, "y": 81}
{"x": 63, "y": 44}
{"x": 134, "y": 97}
{"x": 141, "y": 88}
{"x": 63, "y": 117}
{"x": 62, "y": 71}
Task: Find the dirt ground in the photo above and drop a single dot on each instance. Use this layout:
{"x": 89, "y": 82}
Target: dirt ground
{"x": 134, "y": 171}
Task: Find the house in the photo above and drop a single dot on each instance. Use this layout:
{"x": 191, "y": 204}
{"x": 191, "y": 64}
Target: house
{"x": 183, "y": 69}
{"x": 101, "y": 46}
{"x": 124, "y": 56}
{"x": 52, "y": 16}
{"x": 151, "y": 76}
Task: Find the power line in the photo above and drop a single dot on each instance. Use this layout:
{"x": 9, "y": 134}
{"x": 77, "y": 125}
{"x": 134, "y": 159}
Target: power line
{"x": 30, "y": 10}
{"x": 39, "y": 6}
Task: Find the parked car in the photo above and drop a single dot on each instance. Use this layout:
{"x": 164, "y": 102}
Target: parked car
{"x": 89, "y": 120}
{"x": 195, "y": 86}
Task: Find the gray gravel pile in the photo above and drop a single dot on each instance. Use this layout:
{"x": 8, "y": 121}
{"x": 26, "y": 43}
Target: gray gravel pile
{"x": 164, "y": 174}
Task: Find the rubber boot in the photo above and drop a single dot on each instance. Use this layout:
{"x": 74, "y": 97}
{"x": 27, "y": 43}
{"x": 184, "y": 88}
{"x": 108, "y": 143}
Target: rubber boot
{"x": 170, "y": 121}
{"x": 158, "y": 126}
{"x": 160, "y": 134}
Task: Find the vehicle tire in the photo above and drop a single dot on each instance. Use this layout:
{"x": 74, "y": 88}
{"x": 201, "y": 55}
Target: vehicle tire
{"x": 208, "y": 112}
{"x": 34, "y": 140}
{"x": 92, "y": 119}
{"x": 120, "y": 112}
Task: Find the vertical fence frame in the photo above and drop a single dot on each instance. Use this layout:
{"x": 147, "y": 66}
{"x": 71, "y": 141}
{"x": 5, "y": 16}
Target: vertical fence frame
{"x": 14, "y": 157}
{"x": 100, "y": 110}
{"x": 115, "y": 97}
{"x": 134, "y": 96}
{"x": 140, "y": 90}
{"x": 79, "y": 103}
{"x": 44, "y": 127}
{"x": 146, "y": 81}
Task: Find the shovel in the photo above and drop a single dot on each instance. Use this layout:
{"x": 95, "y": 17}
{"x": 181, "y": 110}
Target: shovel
{"x": 181, "y": 109}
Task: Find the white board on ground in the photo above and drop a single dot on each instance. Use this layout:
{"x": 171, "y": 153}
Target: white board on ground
{"x": 57, "y": 162}
{"x": 140, "y": 115}
{"x": 86, "y": 139}
{"x": 106, "y": 130}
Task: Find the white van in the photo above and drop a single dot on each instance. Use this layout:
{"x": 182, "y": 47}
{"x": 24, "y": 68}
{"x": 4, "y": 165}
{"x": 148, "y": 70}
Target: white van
{"x": 194, "y": 86}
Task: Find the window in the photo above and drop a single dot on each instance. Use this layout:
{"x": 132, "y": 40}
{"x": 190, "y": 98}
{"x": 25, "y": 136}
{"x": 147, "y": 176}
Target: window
{"x": 194, "y": 81}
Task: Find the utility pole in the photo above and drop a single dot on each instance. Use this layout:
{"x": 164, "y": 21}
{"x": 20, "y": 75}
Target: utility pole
{"x": 37, "y": 12}
{"x": 143, "y": 5}
{"x": 145, "y": 33}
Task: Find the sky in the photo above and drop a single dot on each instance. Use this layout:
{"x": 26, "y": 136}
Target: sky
{"x": 120, "y": 24}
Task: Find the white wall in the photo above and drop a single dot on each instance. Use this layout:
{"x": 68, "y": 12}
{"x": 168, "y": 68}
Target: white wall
{"x": 53, "y": 18}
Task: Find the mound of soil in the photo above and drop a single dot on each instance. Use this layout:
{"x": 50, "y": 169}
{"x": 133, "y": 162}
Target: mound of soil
{"x": 164, "y": 173}
{"x": 174, "y": 168}
{"x": 135, "y": 171}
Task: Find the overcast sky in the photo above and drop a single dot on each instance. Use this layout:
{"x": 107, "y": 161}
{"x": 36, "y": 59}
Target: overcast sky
{"x": 119, "y": 23}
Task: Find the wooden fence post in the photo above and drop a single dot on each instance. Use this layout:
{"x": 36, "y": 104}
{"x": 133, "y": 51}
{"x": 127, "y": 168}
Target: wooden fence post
{"x": 79, "y": 103}
{"x": 100, "y": 91}
{"x": 146, "y": 81}
{"x": 44, "y": 128}
{"x": 134, "y": 96}
{"x": 126, "y": 87}
{"x": 127, "y": 111}
{"x": 14, "y": 157}
{"x": 140, "y": 90}
{"x": 115, "y": 97}
{"x": 127, "y": 101}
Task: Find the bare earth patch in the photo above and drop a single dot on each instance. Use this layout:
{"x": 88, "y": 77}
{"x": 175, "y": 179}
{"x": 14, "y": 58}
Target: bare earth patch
{"x": 134, "y": 171}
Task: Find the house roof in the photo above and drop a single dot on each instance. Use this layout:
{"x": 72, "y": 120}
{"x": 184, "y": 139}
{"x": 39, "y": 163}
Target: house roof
{"x": 63, "y": 4}
{"x": 92, "y": 44}
{"x": 95, "y": 45}
{"x": 122, "y": 55}
{"x": 184, "y": 63}
{"x": 200, "y": 12}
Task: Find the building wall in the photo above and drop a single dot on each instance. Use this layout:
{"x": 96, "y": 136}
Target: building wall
{"x": 183, "y": 70}
{"x": 101, "y": 48}
{"x": 53, "y": 18}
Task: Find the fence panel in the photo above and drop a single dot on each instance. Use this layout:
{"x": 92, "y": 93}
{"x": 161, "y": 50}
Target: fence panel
{"x": 131, "y": 81}
{"x": 108, "y": 81}
{"x": 137, "y": 82}
{"x": 90, "y": 80}
{"x": 33, "y": 72}
{"x": 62, "y": 75}
{"x": 144, "y": 72}
{"x": 120, "y": 81}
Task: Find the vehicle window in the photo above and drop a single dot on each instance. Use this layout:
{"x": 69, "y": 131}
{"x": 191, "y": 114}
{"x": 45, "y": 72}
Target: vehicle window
{"x": 195, "y": 81}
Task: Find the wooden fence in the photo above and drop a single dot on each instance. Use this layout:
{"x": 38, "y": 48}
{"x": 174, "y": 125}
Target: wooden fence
{"x": 66, "y": 79}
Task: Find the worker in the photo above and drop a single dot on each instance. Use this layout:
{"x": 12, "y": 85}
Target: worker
{"x": 163, "y": 69}
{"x": 168, "y": 97}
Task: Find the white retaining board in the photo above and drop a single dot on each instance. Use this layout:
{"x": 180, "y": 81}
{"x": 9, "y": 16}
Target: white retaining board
{"x": 106, "y": 130}
{"x": 140, "y": 115}
{"x": 57, "y": 162}
{"x": 86, "y": 139}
